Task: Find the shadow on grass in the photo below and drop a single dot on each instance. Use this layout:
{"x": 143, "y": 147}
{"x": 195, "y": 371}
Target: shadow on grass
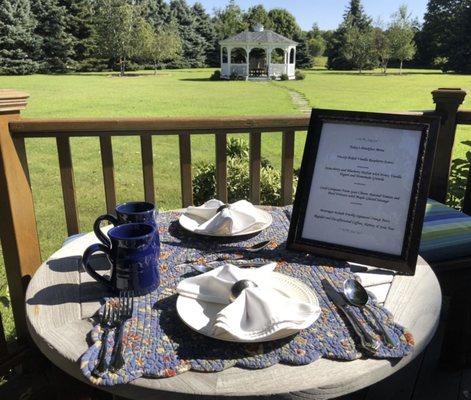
{"x": 110, "y": 74}
{"x": 375, "y": 73}
{"x": 459, "y": 178}
{"x": 198, "y": 80}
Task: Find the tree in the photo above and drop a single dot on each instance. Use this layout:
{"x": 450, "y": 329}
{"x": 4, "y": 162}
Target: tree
{"x": 315, "y": 42}
{"x": 204, "y": 27}
{"x": 17, "y": 40}
{"x": 358, "y": 47}
{"x": 401, "y": 36}
{"x": 257, "y": 15}
{"x": 440, "y": 22}
{"x": 383, "y": 48}
{"x": 284, "y": 23}
{"x": 316, "y": 46}
{"x": 354, "y": 17}
{"x": 117, "y": 23}
{"x": 56, "y": 46}
{"x": 459, "y": 52}
{"x": 157, "y": 13}
{"x": 229, "y": 21}
{"x": 161, "y": 45}
{"x": 79, "y": 24}
{"x": 193, "y": 43}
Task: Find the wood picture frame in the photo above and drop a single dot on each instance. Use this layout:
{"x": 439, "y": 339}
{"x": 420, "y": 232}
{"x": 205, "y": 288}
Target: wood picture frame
{"x": 328, "y": 233}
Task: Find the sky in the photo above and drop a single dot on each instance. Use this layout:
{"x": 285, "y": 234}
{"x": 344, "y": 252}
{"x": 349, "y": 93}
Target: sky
{"x": 327, "y": 13}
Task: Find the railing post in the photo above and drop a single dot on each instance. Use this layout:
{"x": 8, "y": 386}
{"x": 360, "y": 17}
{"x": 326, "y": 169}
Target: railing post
{"x": 18, "y": 232}
{"x": 447, "y": 103}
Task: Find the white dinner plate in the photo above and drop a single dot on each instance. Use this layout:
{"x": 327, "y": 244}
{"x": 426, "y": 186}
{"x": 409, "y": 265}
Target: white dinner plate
{"x": 191, "y": 222}
{"x": 200, "y": 315}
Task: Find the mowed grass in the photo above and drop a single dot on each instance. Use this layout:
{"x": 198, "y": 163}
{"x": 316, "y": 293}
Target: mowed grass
{"x": 182, "y": 93}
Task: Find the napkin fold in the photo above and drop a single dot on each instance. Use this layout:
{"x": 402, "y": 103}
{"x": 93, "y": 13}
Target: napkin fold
{"x": 260, "y": 312}
{"x": 234, "y": 219}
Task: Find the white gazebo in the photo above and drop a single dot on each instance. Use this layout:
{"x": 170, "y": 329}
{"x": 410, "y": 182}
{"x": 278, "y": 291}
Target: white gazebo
{"x": 261, "y": 54}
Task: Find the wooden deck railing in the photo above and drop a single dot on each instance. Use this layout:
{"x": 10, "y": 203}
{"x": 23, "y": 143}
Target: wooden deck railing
{"x": 18, "y": 229}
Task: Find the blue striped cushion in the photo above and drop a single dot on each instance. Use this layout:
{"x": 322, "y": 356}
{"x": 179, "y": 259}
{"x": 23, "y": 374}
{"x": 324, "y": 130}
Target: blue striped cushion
{"x": 446, "y": 234}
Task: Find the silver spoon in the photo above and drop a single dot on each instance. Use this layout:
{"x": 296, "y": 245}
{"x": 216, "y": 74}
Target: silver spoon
{"x": 357, "y": 295}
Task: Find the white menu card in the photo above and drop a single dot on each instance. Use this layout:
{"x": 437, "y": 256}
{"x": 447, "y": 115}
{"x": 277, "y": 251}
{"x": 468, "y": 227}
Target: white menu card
{"x": 361, "y": 186}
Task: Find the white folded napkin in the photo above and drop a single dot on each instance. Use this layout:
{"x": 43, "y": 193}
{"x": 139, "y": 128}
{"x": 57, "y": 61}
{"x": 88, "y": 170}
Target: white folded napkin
{"x": 259, "y": 312}
{"x": 236, "y": 218}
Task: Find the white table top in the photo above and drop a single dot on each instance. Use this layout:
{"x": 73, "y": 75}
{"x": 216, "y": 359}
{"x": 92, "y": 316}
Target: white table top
{"x": 59, "y": 323}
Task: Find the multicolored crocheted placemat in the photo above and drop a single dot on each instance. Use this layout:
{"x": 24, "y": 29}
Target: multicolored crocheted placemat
{"x": 158, "y": 344}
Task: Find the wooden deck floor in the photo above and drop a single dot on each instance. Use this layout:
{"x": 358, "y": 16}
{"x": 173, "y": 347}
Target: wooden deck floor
{"x": 441, "y": 372}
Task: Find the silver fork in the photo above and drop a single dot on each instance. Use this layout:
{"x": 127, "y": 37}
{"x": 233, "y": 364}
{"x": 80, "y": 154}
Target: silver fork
{"x": 125, "y": 308}
{"x": 106, "y": 322}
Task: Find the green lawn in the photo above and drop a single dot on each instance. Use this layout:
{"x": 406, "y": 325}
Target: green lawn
{"x": 182, "y": 93}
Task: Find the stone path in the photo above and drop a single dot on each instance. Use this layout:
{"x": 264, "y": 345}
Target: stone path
{"x": 300, "y": 101}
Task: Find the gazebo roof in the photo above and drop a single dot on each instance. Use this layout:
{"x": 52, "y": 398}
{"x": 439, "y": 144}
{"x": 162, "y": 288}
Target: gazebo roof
{"x": 263, "y": 37}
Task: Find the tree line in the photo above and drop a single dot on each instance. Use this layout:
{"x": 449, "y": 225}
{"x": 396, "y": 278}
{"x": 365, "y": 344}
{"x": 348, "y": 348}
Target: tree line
{"x": 58, "y": 36}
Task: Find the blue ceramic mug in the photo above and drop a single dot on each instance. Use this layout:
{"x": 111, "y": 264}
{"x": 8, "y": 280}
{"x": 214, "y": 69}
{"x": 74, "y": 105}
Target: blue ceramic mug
{"x": 131, "y": 212}
{"x": 133, "y": 256}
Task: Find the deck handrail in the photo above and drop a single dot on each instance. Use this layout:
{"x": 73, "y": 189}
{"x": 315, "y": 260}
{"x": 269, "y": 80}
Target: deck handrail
{"x": 155, "y": 126}
{"x": 18, "y": 229}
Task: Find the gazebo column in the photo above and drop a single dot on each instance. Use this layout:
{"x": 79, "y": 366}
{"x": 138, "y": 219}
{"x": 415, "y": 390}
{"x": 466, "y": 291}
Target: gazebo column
{"x": 221, "y": 55}
{"x": 229, "y": 54}
{"x": 247, "y": 62}
{"x": 268, "y": 54}
{"x": 286, "y": 61}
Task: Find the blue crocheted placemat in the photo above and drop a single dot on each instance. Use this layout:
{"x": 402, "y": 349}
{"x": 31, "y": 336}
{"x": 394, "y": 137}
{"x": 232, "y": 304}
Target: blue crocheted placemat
{"x": 158, "y": 344}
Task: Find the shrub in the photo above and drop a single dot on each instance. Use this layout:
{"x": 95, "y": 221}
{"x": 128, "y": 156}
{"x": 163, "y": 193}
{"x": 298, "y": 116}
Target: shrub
{"x": 441, "y": 63}
{"x": 284, "y": 77}
{"x": 300, "y": 76}
{"x": 216, "y": 76}
{"x": 238, "y": 178}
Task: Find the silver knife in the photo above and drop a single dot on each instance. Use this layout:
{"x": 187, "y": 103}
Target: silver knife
{"x": 367, "y": 341}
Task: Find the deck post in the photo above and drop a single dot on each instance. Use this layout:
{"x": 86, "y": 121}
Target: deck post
{"x": 447, "y": 103}
{"x": 18, "y": 231}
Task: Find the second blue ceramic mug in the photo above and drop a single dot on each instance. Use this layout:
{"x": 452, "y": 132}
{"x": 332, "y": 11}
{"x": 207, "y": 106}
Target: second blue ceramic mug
{"x": 132, "y": 253}
{"x": 131, "y": 212}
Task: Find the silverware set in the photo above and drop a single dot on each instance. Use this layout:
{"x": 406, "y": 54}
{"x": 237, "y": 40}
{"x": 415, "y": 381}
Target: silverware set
{"x": 114, "y": 317}
{"x": 356, "y": 295}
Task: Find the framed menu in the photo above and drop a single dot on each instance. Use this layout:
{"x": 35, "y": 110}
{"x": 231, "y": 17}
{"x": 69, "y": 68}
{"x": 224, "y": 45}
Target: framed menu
{"x": 363, "y": 186}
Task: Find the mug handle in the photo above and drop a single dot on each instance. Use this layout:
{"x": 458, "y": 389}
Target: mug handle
{"x": 89, "y": 269}
{"x": 96, "y": 227}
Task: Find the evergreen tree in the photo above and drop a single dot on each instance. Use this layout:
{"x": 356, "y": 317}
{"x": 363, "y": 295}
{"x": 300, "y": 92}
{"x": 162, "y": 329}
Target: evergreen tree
{"x": 17, "y": 41}
{"x": 355, "y": 14}
{"x": 193, "y": 44}
{"x": 157, "y": 13}
{"x": 205, "y": 28}
{"x": 80, "y": 27}
{"x": 56, "y": 44}
{"x": 353, "y": 17}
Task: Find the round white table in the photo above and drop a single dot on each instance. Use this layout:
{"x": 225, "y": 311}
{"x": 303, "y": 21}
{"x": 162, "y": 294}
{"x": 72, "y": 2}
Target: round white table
{"x": 61, "y": 298}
